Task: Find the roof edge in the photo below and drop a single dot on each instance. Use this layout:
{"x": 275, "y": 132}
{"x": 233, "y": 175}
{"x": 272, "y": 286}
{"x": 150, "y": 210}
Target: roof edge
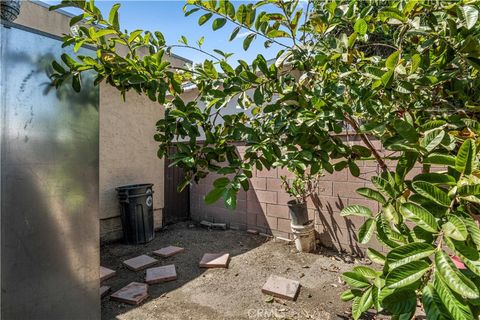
{"x": 68, "y": 14}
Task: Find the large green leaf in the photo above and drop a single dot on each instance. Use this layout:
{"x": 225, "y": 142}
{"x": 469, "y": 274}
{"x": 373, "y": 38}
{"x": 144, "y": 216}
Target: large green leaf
{"x": 214, "y": 195}
{"x": 355, "y": 280}
{"x": 366, "y": 231}
{"x": 356, "y": 310}
{"x": 362, "y": 304}
{"x": 391, "y": 63}
{"x": 401, "y": 302}
{"x": 389, "y": 12}
{"x": 436, "y": 178}
{"x": 441, "y": 159}
{"x": 221, "y": 182}
{"x": 453, "y": 278}
{"x": 408, "y": 253}
{"x": 470, "y": 16}
{"x": 360, "y": 27}
{"x": 420, "y": 216}
{"x": 371, "y": 194}
{"x": 384, "y": 232}
{"x": 376, "y": 256}
{"x": 404, "y": 165}
{"x": 455, "y": 228}
{"x": 218, "y": 23}
{"x": 391, "y": 214}
{"x": 406, "y": 274}
{"x": 432, "y": 192}
{"x": 469, "y": 190}
{"x": 248, "y": 40}
{"x": 432, "y": 139}
{"x": 405, "y": 129}
{"x": 457, "y": 309}
{"x": 210, "y": 70}
{"x": 367, "y": 272}
{"x": 433, "y": 305}
{"x": 204, "y": 18}
{"x": 113, "y": 15}
{"x": 356, "y": 210}
{"x": 350, "y": 294}
{"x": 473, "y": 230}
{"x": 465, "y": 157}
{"x": 384, "y": 185}
{"x": 230, "y": 198}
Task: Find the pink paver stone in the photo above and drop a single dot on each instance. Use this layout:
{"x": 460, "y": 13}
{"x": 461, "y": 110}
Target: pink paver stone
{"x": 281, "y": 287}
{"x": 134, "y": 293}
{"x": 104, "y": 290}
{"x": 140, "y": 262}
{"x": 168, "y": 251}
{"x": 161, "y": 274}
{"x": 215, "y": 260}
{"x": 106, "y": 273}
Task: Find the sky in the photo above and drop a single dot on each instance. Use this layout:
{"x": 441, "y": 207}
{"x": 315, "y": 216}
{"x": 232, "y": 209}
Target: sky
{"x": 167, "y": 16}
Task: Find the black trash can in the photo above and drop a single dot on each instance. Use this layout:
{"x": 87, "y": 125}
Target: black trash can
{"x": 136, "y": 203}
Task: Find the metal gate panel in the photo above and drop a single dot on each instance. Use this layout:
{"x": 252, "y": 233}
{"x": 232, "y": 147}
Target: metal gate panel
{"x": 49, "y": 185}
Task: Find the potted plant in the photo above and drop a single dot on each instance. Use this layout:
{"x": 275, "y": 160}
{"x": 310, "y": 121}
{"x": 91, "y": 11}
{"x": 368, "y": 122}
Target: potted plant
{"x": 300, "y": 188}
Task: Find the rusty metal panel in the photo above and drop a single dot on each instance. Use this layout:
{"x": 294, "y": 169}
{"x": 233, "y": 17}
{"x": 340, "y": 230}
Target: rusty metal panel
{"x": 177, "y": 204}
{"x": 49, "y": 185}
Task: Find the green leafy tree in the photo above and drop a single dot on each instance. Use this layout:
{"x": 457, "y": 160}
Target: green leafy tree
{"x": 405, "y": 73}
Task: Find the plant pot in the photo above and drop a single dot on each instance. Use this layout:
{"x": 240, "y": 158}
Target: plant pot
{"x": 298, "y": 212}
{"x": 304, "y": 237}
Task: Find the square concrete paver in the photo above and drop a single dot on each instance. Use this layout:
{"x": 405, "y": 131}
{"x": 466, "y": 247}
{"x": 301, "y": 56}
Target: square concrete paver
{"x": 168, "y": 251}
{"x": 106, "y": 273}
{"x": 104, "y": 290}
{"x": 161, "y": 274}
{"x": 281, "y": 287}
{"x": 134, "y": 293}
{"x": 215, "y": 260}
{"x": 140, "y": 262}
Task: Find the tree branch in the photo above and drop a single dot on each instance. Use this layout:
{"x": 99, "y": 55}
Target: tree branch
{"x": 351, "y": 121}
{"x": 243, "y": 26}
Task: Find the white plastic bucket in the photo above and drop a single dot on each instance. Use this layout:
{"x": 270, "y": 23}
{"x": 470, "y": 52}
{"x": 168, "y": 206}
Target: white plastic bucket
{"x": 304, "y": 237}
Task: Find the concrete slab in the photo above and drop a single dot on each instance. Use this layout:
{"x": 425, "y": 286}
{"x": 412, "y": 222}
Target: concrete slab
{"x": 104, "y": 290}
{"x": 215, "y": 260}
{"x": 253, "y": 231}
{"x": 134, "y": 293}
{"x": 212, "y": 225}
{"x": 161, "y": 274}
{"x": 281, "y": 287}
{"x": 106, "y": 273}
{"x": 168, "y": 251}
{"x": 140, "y": 262}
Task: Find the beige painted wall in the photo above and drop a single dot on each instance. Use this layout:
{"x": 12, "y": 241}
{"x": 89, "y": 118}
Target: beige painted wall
{"x": 128, "y": 153}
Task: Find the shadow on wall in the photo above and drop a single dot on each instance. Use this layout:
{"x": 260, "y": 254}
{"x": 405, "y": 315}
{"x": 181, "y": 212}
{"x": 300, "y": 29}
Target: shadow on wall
{"x": 264, "y": 206}
{"x": 328, "y": 229}
{"x": 266, "y": 211}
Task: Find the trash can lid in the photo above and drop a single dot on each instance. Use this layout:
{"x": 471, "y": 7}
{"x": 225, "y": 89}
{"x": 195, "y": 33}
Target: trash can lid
{"x": 134, "y": 186}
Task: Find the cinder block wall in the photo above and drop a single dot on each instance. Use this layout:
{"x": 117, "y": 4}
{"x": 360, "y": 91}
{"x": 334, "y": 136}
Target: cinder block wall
{"x": 264, "y": 206}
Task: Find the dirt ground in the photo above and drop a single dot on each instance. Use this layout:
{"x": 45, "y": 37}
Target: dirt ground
{"x": 233, "y": 293}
